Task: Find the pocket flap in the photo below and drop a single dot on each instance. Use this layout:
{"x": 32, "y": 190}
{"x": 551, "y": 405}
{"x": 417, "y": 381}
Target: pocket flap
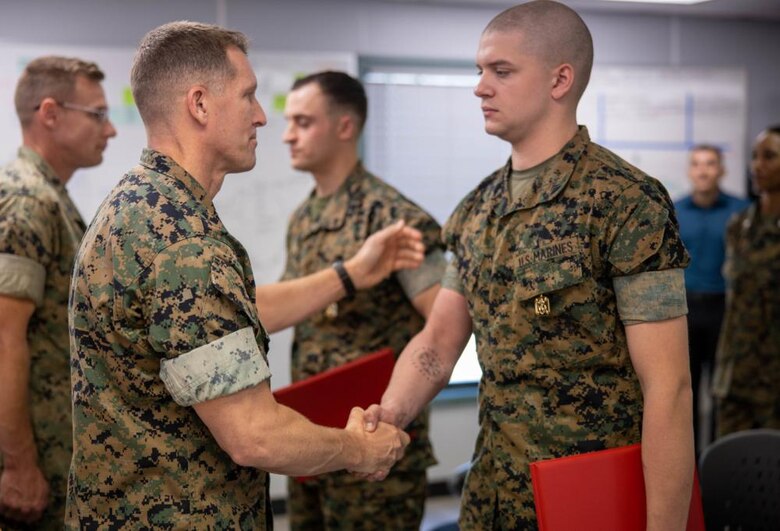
{"x": 549, "y": 268}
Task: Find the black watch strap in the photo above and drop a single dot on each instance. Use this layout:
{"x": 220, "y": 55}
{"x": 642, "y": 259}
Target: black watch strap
{"x": 349, "y": 287}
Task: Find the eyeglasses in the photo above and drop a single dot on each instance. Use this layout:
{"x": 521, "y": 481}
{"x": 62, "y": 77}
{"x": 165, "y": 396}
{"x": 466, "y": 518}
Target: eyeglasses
{"x": 99, "y": 114}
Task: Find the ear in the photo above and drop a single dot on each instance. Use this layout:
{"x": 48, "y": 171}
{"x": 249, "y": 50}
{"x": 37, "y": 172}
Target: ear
{"x": 346, "y": 127}
{"x": 563, "y": 81}
{"x": 198, "y": 103}
{"x": 47, "y": 113}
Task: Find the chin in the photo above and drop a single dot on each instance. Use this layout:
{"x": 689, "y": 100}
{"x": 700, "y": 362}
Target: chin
{"x": 243, "y": 166}
{"x": 91, "y": 163}
{"x": 492, "y": 130}
{"x": 300, "y": 166}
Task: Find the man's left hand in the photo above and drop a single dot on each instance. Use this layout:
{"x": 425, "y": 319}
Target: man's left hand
{"x": 390, "y": 249}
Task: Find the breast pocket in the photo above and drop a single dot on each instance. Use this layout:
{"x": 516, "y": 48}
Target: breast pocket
{"x": 537, "y": 279}
{"x": 547, "y": 296}
{"x": 548, "y": 279}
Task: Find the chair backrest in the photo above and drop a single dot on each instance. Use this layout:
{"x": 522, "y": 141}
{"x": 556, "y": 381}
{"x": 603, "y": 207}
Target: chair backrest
{"x": 740, "y": 481}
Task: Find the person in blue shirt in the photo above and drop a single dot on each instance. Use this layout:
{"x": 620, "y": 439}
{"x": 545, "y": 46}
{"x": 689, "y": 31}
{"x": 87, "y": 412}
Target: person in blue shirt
{"x": 703, "y": 216}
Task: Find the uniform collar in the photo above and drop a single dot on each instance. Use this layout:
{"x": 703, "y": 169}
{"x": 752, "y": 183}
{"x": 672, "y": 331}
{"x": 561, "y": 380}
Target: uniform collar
{"x": 162, "y": 164}
{"x": 32, "y": 157}
{"x": 548, "y": 184}
{"x": 721, "y": 201}
{"x": 753, "y": 218}
{"x": 334, "y": 214}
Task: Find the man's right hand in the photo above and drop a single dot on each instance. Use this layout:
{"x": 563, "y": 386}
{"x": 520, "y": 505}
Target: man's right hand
{"x": 24, "y": 492}
{"x": 382, "y": 447}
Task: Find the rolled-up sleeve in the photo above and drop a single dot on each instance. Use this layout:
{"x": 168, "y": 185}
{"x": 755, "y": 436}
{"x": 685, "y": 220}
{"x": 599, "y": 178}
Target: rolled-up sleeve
{"x": 26, "y": 243}
{"x": 451, "y": 279}
{"x": 429, "y": 273}
{"x": 650, "y": 296}
{"x": 22, "y": 277}
{"x": 219, "y": 368}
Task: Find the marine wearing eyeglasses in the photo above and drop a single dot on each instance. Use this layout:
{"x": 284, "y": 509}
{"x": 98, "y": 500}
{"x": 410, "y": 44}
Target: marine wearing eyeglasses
{"x": 100, "y": 114}
{"x": 65, "y": 126}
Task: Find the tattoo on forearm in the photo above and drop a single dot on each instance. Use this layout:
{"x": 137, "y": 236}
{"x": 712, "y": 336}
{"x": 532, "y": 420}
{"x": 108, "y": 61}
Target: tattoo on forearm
{"x": 427, "y": 362}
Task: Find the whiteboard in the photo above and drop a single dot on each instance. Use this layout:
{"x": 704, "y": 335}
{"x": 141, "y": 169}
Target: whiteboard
{"x": 653, "y": 116}
{"x": 254, "y": 206}
{"x": 426, "y": 136}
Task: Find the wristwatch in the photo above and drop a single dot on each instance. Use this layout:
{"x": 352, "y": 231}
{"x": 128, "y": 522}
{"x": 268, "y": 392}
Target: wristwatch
{"x": 349, "y": 287}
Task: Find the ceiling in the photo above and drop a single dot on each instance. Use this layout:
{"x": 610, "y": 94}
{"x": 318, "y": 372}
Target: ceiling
{"x": 740, "y": 9}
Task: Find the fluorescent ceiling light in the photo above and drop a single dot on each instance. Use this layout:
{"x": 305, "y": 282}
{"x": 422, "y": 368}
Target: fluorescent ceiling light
{"x": 686, "y": 2}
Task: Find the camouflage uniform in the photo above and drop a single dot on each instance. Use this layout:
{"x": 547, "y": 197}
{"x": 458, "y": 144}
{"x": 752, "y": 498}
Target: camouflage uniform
{"x": 380, "y": 317}
{"x": 162, "y": 316}
{"x": 540, "y": 274}
{"x": 747, "y": 376}
{"x": 40, "y": 230}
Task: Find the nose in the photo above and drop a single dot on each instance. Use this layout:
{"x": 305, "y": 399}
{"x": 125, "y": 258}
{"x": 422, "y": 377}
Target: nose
{"x": 755, "y": 165}
{"x": 288, "y": 137}
{"x": 109, "y": 129}
{"x": 481, "y": 90}
{"x": 260, "y": 118}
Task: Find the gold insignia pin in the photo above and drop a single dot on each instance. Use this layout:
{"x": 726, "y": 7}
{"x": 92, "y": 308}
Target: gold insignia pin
{"x": 542, "y": 305}
{"x": 332, "y": 310}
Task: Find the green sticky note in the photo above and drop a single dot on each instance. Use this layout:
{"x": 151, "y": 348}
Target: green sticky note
{"x": 279, "y": 102}
{"x": 127, "y": 97}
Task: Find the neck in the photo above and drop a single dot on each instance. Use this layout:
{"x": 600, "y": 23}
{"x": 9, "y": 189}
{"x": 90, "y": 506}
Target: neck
{"x": 332, "y": 175}
{"x": 62, "y": 169}
{"x": 194, "y": 159}
{"x": 705, "y": 198}
{"x": 769, "y": 202}
{"x": 541, "y": 144}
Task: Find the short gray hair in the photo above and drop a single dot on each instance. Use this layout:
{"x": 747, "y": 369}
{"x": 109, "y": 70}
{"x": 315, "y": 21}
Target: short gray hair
{"x": 176, "y": 55}
{"x": 51, "y": 76}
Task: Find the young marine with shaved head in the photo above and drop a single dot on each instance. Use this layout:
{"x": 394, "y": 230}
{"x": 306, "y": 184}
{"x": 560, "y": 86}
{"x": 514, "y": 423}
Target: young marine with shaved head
{"x": 568, "y": 267}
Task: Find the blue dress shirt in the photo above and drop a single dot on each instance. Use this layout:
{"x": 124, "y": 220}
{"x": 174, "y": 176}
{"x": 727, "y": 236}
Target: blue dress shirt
{"x": 703, "y": 232}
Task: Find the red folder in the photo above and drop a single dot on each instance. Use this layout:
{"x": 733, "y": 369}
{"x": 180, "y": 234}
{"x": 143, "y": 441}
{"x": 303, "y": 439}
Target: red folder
{"x": 328, "y": 397}
{"x": 598, "y": 491}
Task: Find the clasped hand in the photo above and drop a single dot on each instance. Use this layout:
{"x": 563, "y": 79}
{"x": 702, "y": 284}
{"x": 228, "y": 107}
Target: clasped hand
{"x": 382, "y": 446}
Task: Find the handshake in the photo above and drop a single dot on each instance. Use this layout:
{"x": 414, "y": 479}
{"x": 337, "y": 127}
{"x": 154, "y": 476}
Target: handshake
{"x": 381, "y": 443}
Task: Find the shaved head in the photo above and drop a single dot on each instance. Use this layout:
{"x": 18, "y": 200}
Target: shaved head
{"x": 553, "y": 33}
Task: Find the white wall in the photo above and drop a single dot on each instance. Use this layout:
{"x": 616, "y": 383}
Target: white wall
{"x": 390, "y": 29}
{"x": 395, "y": 29}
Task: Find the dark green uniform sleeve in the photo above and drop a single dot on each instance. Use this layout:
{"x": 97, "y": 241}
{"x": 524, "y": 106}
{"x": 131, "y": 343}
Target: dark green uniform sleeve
{"x": 204, "y": 323}
{"x": 643, "y": 233}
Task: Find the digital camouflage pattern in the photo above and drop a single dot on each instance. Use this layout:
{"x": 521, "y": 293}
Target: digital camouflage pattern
{"x": 538, "y": 275}
{"x": 162, "y": 308}
{"x": 747, "y": 375}
{"x": 40, "y": 230}
{"x": 373, "y": 319}
{"x": 395, "y": 503}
